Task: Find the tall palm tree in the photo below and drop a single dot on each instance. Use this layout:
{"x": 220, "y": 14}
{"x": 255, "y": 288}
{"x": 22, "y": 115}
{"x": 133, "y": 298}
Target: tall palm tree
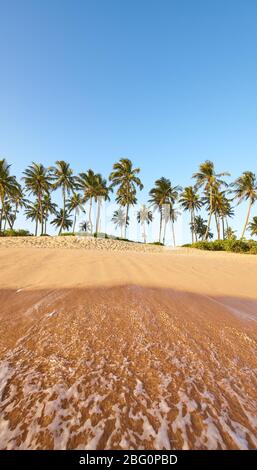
{"x": 144, "y": 216}
{"x": 253, "y": 226}
{"x": 221, "y": 208}
{"x": 8, "y": 214}
{"x": 62, "y": 221}
{"x": 200, "y": 226}
{"x": 49, "y": 207}
{"x": 38, "y": 180}
{"x": 190, "y": 201}
{"x": 119, "y": 220}
{"x": 88, "y": 183}
{"x": 63, "y": 178}
{"x": 102, "y": 191}
{"x": 8, "y": 187}
{"x": 229, "y": 234}
{"x": 173, "y": 215}
{"x": 246, "y": 190}
{"x": 208, "y": 179}
{"x": 163, "y": 193}
{"x": 225, "y": 211}
{"x": 124, "y": 176}
{"x": 75, "y": 204}
{"x": 33, "y": 212}
{"x": 18, "y": 200}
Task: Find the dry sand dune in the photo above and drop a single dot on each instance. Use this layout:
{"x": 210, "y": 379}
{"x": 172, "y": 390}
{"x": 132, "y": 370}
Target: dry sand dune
{"x": 103, "y": 349}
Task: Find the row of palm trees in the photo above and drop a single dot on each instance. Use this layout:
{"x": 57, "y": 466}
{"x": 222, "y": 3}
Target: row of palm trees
{"x": 210, "y": 191}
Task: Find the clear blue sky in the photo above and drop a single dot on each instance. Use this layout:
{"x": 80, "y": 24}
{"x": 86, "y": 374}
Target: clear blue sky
{"x": 168, "y": 83}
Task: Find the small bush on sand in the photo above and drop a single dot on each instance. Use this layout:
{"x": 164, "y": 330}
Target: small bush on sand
{"x": 67, "y": 234}
{"x": 235, "y": 246}
{"x": 15, "y": 233}
{"x": 253, "y": 250}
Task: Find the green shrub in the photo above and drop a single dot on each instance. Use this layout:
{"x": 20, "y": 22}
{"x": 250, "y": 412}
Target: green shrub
{"x": 67, "y": 234}
{"x": 101, "y": 235}
{"x": 203, "y": 245}
{"x": 253, "y": 250}
{"x": 237, "y": 246}
{"x": 15, "y": 233}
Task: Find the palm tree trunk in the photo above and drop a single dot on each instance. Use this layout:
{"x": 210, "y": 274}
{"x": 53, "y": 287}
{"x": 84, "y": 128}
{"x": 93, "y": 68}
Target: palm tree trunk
{"x": 247, "y": 220}
{"x": 7, "y": 220}
{"x": 217, "y": 225}
{"x": 173, "y": 233}
{"x": 98, "y": 216}
{"x": 209, "y": 219}
{"x": 164, "y": 232}
{"x": 74, "y": 222}
{"x": 160, "y": 231}
{"x": 36, "y": 227}
{"x": 126, "y": 219}
{"x": 192, "y": 226}
{"x": 195, "y": 234}
{"x": 2, "y": 211}
{"x": 144, "y": 232}
{"x": 64, "y": 207}
{"x": 89, "y": 215}
{"x": 41, "y": 213}
{"x": 223, "y": 228}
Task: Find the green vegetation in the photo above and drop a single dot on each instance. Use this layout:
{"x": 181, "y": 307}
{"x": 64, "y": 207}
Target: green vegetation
{"x": 235, "y": 246}
{"x": 15, "y": 233}
{"x": 210, "y": 192}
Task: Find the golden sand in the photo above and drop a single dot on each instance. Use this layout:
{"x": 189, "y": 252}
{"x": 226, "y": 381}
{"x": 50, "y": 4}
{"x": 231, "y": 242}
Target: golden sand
{"x": 106, "y": 348}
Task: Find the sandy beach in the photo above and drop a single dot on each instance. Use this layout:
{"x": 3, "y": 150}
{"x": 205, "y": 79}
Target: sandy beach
{"x": 115, "y": 345}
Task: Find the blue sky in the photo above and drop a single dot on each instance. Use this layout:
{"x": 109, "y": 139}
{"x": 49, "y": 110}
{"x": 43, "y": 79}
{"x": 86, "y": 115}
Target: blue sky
{"x": 168, "y": 83}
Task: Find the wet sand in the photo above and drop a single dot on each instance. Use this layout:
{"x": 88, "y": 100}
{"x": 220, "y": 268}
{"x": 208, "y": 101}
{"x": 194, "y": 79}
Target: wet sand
{"x": 107, "y": 350}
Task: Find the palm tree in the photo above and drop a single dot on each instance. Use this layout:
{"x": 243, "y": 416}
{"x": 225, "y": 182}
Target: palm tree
{"x": 125, "y": 177}
{"x": 220, "y": 208}
{"x": 8, "y": 214}
{"x": 102, "y": 191}
{"x": 199, "y": 225}
{"x": 119, "y": 220}
{"x": 173, "y": 215}
{"x": 75, "y": 204}
{"x": 246, "y": 190}
{"x": 253, "y": 226}
{"x": 144, "y": 216}
{"x": 37, "y": 180}
{"x": 62, "y": 221}
{"x": 63, "y": 178}
{"x": 190, "y": 201}
{"x": 163, "y": 193}
{"x": 207, "y": 178}
{"x": 83, "y": 226}
{"x": 224, "y": 211}
{"x": 88, "y": 183}
{"x": 8, "y": 187}
{"x": 33, "y": 212}
{"x": 229, "y": 234}
{"x": 49, "y": 207}
{"x": 18, "y": 200}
